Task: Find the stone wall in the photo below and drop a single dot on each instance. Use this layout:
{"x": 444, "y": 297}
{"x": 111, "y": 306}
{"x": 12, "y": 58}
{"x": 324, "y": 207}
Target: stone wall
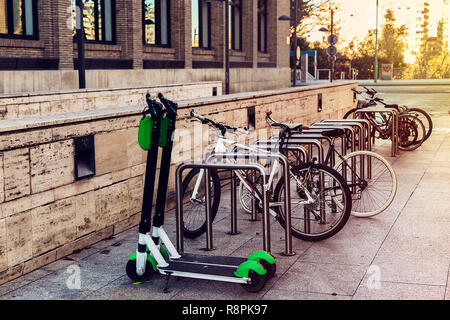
{"x": 50, "y": 103}
{"x": 45, "y": 214}
{"x": 241, "y": 79}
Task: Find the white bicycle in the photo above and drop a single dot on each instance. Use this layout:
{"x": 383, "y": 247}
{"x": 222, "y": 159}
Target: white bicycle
{"x": 320, "y": 197}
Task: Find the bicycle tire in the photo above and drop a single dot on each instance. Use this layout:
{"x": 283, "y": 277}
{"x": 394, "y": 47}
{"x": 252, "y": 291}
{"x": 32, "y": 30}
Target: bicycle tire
{"x": 192, "y": 231}
{"x": 296, "y": 232}
{"x": 390, "y": 175}
{"x": 410, "y": 125}
{"x": 348, "y": 113}
{"x": 244, "y": 195}
{"x": 427, "y": 116}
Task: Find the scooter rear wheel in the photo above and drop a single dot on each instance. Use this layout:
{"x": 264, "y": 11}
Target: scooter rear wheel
{"x": 257, "y": 282}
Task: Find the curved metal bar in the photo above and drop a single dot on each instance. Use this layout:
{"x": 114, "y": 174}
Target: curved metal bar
{"x": 287, "y": 193}
{"x": 207, "y": 166}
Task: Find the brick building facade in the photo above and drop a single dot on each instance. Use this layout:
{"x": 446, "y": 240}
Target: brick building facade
{"x": 152, "y": 40}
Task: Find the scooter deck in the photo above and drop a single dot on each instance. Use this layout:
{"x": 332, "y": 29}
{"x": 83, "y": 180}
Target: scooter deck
{"x": 205, "y": 267}
{"x": 217, "y": 260}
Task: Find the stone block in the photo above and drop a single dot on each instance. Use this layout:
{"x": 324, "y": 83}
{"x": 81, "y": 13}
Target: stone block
{"x": 52, "y": 165}
{"x": 2, "y": 192}
{"x": 85, "y": 214}
{"x": 16, "y": 171}
{"x": 23, "y": 139}
{"x": 3, "y": 246}
{"x": 20, "y": 240}
{"x": 111, "y": 204}
{"x": 25, "y": 203}
{"x": 53, "y": 225}
{"x": 111, "y": 151}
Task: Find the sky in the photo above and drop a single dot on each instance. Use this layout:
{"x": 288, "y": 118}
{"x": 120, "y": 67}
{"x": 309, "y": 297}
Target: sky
{"x": 358, "y": 16}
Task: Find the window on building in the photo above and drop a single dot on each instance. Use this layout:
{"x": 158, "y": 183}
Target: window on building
{"x": 262, "y": 25}
{"x": 98, "y": 20}
{"x": 156, "y": 22}
{"x": 235, "y": 23}
{"x": 18, "y": 18}
{"x": 201, "y": 22}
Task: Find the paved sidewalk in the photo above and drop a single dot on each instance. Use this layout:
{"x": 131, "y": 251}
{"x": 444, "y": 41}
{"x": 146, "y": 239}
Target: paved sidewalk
{"x": 406, "y": 248}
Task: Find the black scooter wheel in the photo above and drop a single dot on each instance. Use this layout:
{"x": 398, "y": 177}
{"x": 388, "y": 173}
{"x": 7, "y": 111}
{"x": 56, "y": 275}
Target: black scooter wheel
{"x": 131, "y": 271}
{"x": 271, "y": 268}
{"x": 257, "y": 282}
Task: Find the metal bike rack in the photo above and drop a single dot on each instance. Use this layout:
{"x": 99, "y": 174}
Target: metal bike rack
{"x": 287, "y": 194}
{"x": 268, "y": 145}
{"x": 364, "y": 143}
{"x": 207, "y": 167}
{"x": 394, "y": 132}
{"x": 347, "y": 128}
{"x": 359, "y": 131}
{"x": 352, "y": 131}
{"x": 364, "y": 122}
{"x": 303, "y": 141}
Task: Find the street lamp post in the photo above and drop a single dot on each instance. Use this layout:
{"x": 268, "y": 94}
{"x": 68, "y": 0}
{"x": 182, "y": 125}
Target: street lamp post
{"x": 80, "y": 42}
{"x": 332, "y": 33}
{"x": 294, "y": 76}
{"x": 227, "y": 49}
{"x": 294, "y": 42}
{"x": 375, "y": 76}
{"x": 227, "y": 43}
{"x": 331, "y": 50}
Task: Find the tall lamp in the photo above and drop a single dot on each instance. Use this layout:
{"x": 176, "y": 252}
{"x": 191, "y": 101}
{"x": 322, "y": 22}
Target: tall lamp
{"x": 227, "y": 50}
{"x": 80, "y": 43}
{"x": 375, "y": 76}
{"x": 294, "y": 44}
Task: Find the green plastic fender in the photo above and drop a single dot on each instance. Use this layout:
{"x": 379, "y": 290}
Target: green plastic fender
{"x": 164, "y": 130}
{"x": 149, "y": 258}
{"x": 145, "y": 132}
{"x": 262, "y": 255}
{"x": 244, "y": 268}
{"x": 164, "y": 253}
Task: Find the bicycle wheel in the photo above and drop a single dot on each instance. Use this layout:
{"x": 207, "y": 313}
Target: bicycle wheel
{"x": 425, "y": 118}
{"x": 371, "y": 180}
{"x": 322, "y": 218}
{"x": 350, "y": 113}
{"x": 245, "y": 196}
{"x": 411, "y": 132}
{"x": 194, "y": 219}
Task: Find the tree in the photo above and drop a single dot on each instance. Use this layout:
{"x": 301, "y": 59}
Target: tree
{"x": 392, "y": 43}
{"x": 364, "y": 56}
{"x": 313, "y": 13}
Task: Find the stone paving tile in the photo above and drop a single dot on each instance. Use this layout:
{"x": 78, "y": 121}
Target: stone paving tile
{"x": 408, "y": 243}
{"x": 321, "y": 278}
{"x": 23, "y": 281}
{"x": 356, "y": 244}
{"x": 413, "y": 260}
{"x": 400, "y": 291}
{"x": 214, "y": 290}
{"x": 123, "y": 289}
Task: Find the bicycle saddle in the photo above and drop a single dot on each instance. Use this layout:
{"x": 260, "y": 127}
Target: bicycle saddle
{"x": 334, "y": 133}
{"x": 290, "y": 126}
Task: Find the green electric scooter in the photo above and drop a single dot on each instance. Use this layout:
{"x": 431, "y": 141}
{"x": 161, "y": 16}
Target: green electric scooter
{"x": 155, "y": 252}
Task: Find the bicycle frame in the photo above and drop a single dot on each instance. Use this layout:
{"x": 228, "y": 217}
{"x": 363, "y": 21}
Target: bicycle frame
{"x": 221, "y": 147}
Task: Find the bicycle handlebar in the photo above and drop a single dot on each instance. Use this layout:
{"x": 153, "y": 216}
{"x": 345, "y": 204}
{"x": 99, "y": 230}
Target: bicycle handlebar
{"x": 222, "y": 127}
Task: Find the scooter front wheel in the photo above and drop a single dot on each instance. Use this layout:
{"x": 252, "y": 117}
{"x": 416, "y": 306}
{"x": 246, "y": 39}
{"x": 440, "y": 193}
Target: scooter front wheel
{"x": 131, "y": 271}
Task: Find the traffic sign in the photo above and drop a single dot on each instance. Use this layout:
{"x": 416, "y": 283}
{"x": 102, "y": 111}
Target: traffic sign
{"x": 332, "y": 39}
{"x": 331, "y": 50}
